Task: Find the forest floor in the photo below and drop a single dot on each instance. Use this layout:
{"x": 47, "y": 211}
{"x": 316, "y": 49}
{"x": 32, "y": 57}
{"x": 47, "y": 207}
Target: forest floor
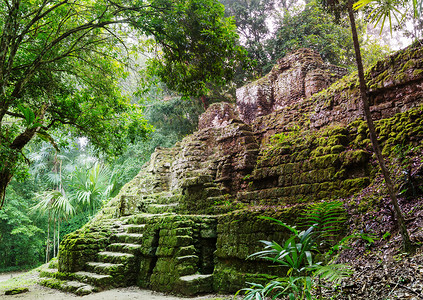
{"x": 37, "y": 292}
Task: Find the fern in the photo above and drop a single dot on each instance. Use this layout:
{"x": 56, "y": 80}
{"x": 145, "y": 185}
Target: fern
{"x": 328, "y": 219}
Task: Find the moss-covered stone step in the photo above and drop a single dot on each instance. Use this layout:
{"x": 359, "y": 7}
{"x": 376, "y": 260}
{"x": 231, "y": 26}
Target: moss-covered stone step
{"x": 98, "y": 280}
{"x": 163, "y": 198}
{"x": 194, "y": 284}
{"x": 49, "y": 273}
{"x": 130, "y": 238}
{"x": 76, "y": 287}
{"x": 125, "y": 248}
{"x": 16, "y": 291}
{"x": 162, "y": 208}
{"x": 133, "y": 228}
{"x": 144, "y": 218}
{"x": 187, "y": 265}
{"x": 54, "y": 273}
{"x": 116, "y": 257}
{"x": 105, "y": 268}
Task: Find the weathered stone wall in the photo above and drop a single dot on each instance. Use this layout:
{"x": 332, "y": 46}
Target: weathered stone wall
{"x": 308, "y": 166}
{"x": 295, "y": 78}
{"x": 238, "y": 236}
{"x": 83, "y": 245}
{"x": 175, "y": 247}
{"x": 395, "y": 85}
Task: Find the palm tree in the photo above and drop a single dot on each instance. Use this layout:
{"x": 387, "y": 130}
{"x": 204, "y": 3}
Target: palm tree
{"x": 74, "y": 181}
{"x": 58, "y": 207}
{"x": 92, "y": 185}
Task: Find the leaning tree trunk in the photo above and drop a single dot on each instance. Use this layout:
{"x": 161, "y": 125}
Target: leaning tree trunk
{"x": 10, "y": 163}
{"x": 5, "y": 178}
{"x": 373, "y": 137}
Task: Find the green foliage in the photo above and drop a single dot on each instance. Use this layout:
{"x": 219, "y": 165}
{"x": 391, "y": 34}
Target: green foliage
{"x": 297, "y": 254}
{"x": 21, "y": 237}
{"x": 92, "y": 185}
{"x": 55, "y": 203}
{"x": 381, "y": 11}
{"x": 75, "y": 223}
{"x": 198, "y": 45}
{"x": 328, "y": 219}
{"x": 172, "y": 117}
{"x": 251, "y": 18}
{"x": 314, "y": 28}
{"x": 63, "y": 63}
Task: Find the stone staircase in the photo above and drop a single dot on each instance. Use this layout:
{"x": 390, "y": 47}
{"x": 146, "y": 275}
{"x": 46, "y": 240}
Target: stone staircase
{"x": 160, "y": 203}
{"x": 114, "y": 267}
{"x": 118, "y": 265}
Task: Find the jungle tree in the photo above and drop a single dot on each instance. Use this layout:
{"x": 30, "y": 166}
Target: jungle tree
{"x": 340, "y": 6}
{"x": 60, "y": 62}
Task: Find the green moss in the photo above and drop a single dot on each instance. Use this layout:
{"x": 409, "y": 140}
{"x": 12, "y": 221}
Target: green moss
{"x": 368, "y": 204}
{"x": 400, "y": 77}
{"x": 357, "y": 157}
{"x": 408, "y": 65}
{"x": 355, "y": 184}
{"x": 337, "y": 149}
{"x": 322, "y": 162}
{"x": 339, "y": 139}
{"x": 52, "y": 283}
{"x": 16, "y": 291}
{"x": 53, "y": 264}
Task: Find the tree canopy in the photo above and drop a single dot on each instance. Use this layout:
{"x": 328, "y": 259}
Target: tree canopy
{"x": 61, "y": 61}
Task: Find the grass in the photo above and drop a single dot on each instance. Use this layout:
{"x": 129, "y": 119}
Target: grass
{"x": 22, "y": 280}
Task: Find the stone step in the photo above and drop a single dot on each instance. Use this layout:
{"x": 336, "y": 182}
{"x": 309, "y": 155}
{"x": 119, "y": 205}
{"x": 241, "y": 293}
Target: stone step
{"x": 116, "y": 257}
{"x": 54, "y": 273}
{"x": 162, "y": 208}
{"x": 99, "y": 280}
{"x": 195, "y": 284}
{"x": 187, "y": 265}
{"x": 167, "y": 198}
{"x": 213, "y": 191}
{"x": 125, "y": 248}
{"x": 76, "y": 287}
{"x": 143, "y": 218}
{"x": 105, "y": 268}
{"x": 132, "y": 228}
{"x": 49, "y": 273}
{"x": 129, "y": 238}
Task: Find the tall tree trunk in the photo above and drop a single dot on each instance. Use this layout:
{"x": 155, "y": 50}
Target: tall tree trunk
{"x": 373, "y": 137}
{"x": 48, "y": 239}
{"x": 58, "y": 237}
{"x": 54, "y": 237}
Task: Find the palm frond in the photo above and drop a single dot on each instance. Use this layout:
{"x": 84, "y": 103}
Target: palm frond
{"x": 334, "y": 273}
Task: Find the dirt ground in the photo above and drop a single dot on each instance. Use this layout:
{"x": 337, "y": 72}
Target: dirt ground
{"x": 9, "y": 275}
{"x": 132, "y": 293}
{"x": 37, "y": 292}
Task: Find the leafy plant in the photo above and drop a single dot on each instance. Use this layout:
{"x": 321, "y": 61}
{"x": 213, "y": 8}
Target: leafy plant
{"x": 327, "y": 218}
{"x": 297, "y": 254}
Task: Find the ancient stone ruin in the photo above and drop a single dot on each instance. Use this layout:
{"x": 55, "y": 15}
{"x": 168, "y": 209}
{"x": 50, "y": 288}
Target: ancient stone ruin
{"x": 188, "y": 221}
